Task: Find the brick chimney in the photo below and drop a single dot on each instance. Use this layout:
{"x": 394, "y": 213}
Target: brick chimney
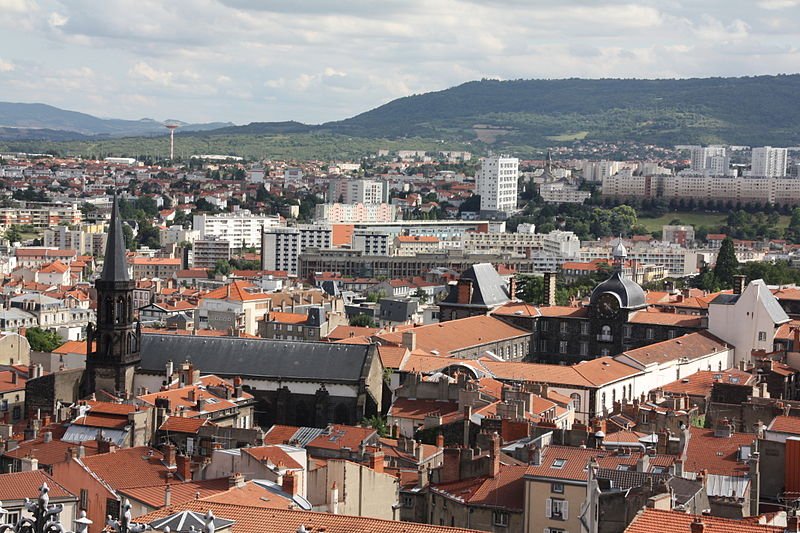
{"x": 106, "y": 446}
{"x": 167, "y": 496}
{"x": 184, "y": 464}
{"x": 464, "y": 291}
{"x": 236, "y": 481}
{"x": 697, "y": 525}
{"x": 290, "y": 484}
{"x": 377, "y": 461}
{"x": 494, "y": 456}
{"x": 169, "y": 455}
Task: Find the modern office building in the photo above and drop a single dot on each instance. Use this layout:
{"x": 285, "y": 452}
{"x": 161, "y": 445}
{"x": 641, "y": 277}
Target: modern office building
{"x": 241, "y": 228}
{"x": 497, "y": 184}
{"x": 281, "y": 247}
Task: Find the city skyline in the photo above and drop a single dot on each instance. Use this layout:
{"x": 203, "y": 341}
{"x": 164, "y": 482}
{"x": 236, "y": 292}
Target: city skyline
{"x": 241, "y": 61}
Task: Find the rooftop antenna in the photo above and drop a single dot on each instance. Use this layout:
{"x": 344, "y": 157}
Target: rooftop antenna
{"x": 171, "y": 126}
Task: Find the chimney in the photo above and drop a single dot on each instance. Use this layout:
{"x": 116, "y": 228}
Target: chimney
{"x": 697, "y": 525}
{"x": 237, "y": 387}
{"x": 236, "y": 481}
{"x": 410, "y": 340}
{"x": 29, "y": 464}
{"x": 723, "y": 429}
{"x": 106, "y": 446}
{"x": 377, "y": 462}
{"x": 167, "y": 496}
{"x": 184, "y": 464}
{"x": 739, "y": 283}
{"x": 13, "y": 377}
{"x": 643, "y": 464}
{"x": 440, "y": 441}
{"x": 169, "y": 371}
{"x": 494, "y": 456}
{"x": 290, "y": 484}
{"x": 47, "y": 437}
{"x": 549, "y": 289}
{"x": 464, "y": 291}
{"x": 169, "y": 455}
{"x": 423, "y": 477}
{"x": 792, "y": 523}
{"x": 334, "y": 503}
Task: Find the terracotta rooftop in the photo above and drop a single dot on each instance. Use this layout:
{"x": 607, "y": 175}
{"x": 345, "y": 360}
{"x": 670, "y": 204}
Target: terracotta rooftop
{"x": 153, "y": 496}
{"x": 456, "y": 335}
{"x": 128, "y": 467}
{"x": 259, "y": 520}
{"x": 651, "y": 520}
{"x": 17, "y": 486}
{"x": 505, "y": 491}
{"x": 570, "y": 463}
{"x": 418, "y": 409}
{"x": 274, "y": 455}
{"x": 701, "y": 383}
{"x": 717, "y": 455}
{"x": 665, "y": 319}
{"x": 785, "y": 424}
{"x": 692, "y": 345}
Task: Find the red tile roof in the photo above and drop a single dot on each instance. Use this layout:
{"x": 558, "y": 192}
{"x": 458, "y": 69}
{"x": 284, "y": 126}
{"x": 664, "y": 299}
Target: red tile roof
{"x": 717, "y": 455}
{"x": 651, "y": 520}
{"x": 153, "y": 496}
{"x": 128, "y": 467}
{"x": 341, "y": 436}
{"x": 20, "y": 485}
{"x": 181, "y": 424}
{"x": 701, "y": 383}
{"x": 505, "y": 491}
{"x": 692, "y": 345}
{"x": 258, "y": 520}
{"x": 237, "y": 291}
{"x": 786, "y": 424}
{"x": 574, "y": 462}
{"x": 418, "y": 409}
{"x": 274, "y": 455}
{"x": 665, "y": 319}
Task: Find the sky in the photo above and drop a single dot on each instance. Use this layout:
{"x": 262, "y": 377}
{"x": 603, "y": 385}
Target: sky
{"x": 319, "y": 60}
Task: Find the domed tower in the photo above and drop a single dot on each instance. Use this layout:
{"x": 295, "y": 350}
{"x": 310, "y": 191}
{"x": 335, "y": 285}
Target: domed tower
{"x": 611, "y": 304}
{"x": 113, "y": 353}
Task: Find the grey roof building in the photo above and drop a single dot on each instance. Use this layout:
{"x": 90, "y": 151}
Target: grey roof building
{"x": 479, "y": 290}
{"x": 295, "y": 382}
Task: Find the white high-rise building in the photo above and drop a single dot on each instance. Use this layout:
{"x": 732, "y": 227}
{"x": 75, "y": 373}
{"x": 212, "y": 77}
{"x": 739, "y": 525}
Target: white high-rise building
{"x": 712, "y": 160}
{"x": 497, "y": 182}
{"x": 769, "y": 162}
{"x": 354, "y": 191}
{"x": 240, "y": 228}
{"x": 280, "y": 246}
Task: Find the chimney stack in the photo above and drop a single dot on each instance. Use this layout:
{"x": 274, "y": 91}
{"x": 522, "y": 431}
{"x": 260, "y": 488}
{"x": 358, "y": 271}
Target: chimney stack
{"x": 410, "y": 340}
{"x": 376, "y": 461}
{"x": 697, "y": 525}
{"x": 167, "y": 496}
{"x": 236, "y": 481}
{"x": 334, "y": 503}
{"x": 494, "y": 455}
{"x": 739, "y": 283}
{"x": 169, "y": 455}
{"x": 290, "y": 484}
{"x": 549, "y": 286}
{"x": 184, "y": 464}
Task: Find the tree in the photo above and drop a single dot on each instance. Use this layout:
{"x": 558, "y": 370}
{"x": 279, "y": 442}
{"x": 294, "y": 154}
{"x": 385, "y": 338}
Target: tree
{"x": 727, "y": 265}
{"x": 43, "y": 340}
{"x": 13, "y": 234}
{"x": 222, "y": 268}
{"x": 378, "y": 423}
{"x": 421, "y": 295}
{"x": 363, "y": 321}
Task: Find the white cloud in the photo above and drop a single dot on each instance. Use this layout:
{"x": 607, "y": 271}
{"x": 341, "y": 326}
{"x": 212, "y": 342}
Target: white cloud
{"x": 6, "y": 66}
{"x": 247, "y": 60}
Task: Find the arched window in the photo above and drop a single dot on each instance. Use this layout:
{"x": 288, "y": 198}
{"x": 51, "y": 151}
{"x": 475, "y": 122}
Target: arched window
{"x": 630, "y": 392}
{"x": 613, "y": 396}
{"x": 576, "y": 401}
{"x": 605, "y": 331}
{"x": 603, "y": 401}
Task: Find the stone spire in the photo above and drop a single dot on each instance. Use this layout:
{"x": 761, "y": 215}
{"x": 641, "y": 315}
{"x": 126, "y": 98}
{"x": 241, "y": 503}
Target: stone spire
{"x": 115, "y": 265}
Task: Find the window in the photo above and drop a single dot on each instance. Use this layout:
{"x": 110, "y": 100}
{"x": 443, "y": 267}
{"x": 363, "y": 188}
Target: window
{"x": 671, "y": 334}
{"x": 12, "y": 517}
{"x": 576, "y": 401}
{"x": 627, "y": 331}
{"x": 584, "y": 346}
{"x": 500, "y": 518}
{"x": 408, "y": 501}
{"x": 562, "y": 347}
{"x": 556, "y": 509}
{"x": 584, "y": 328}
{"x": 605, "y": 331}
{"x": 83, "y": 503}
{"x": 543, "y": 346}
{"x": 559, "y": 463}
{"x": 649, "y": 333}
{"x": 563, "y": 326}
{"x": 557, "y": 488}
{"x": 544, "y": 325}
{"x": 762, "y": 336}
{"x": 553, "y": 530}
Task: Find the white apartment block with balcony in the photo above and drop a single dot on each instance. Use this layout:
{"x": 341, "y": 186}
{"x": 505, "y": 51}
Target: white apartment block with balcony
{"x": 41, "y": 217}
{"x": 769, "y": 162}
{"x": 355, "y": 213}
{"x": 281, "y": 246}
{"x": 86, "y": 240}
{"x": 497, "y": 184}
{"x": 241, "y": 228}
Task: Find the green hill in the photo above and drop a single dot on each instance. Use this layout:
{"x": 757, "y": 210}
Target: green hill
{"x": 749, "y": 110}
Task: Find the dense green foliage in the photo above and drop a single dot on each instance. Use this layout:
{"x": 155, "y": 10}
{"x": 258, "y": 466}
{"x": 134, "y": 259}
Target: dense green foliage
{"x": 726, "y": 266}
{"x": 362, "y": 320}
{"x": 43, "y": 340}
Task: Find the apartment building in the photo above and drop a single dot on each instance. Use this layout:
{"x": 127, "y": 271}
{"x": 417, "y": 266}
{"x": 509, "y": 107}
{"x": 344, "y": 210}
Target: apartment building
{"x": 87, "y": 239}
{"x": 372, "y": 242}
{"x": 497, "y": 184}
{"x": 340, "y": 213}
{"x": 281, "y": 247}
{"x": 768, "y": 161}
{"x": 207, "y": 252}
{"x": 42, "y": 217}
{"x": 411, "y": 245}
{"x": 241, "y": 228}
{"x": 154, "y": 267}
{"x": 355, "y": 191}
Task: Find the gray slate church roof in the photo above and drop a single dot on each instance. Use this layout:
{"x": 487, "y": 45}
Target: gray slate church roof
{"x": 488, "y": 288}
{"x": 259, "y": 358}
{"x": 630, "y": 294}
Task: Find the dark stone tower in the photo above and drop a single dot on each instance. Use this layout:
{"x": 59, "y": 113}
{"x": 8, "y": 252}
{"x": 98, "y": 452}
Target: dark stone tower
{"x": 110, "y": 365}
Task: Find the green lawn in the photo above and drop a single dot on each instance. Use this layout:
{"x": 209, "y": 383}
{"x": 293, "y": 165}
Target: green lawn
{"x": 696, "y": 219}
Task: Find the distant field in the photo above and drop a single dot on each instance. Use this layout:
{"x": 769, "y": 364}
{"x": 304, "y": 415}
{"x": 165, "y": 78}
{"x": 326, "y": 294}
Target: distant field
{"x": 695, "y": 219}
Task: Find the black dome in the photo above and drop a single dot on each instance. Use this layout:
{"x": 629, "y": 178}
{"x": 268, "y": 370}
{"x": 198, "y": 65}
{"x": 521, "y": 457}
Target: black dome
{"x": 630, "y": 294}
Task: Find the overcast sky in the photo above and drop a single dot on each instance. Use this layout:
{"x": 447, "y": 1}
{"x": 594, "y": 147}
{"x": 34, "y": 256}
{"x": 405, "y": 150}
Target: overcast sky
{"x": 264, "y": 60}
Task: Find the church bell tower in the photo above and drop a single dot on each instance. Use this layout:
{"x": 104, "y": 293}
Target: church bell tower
{"x": 113, "y": 352}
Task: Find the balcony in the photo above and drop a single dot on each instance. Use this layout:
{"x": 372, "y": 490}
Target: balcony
{"x": 605, "y": 338}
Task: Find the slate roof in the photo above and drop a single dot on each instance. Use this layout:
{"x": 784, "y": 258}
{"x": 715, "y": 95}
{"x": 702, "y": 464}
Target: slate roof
{"x": 626, "y": 479}
{"x": 630, "y": 294}
{"x": 115, "y": 266}
{"x": 488, "y": 288}
{"x": 235, "y": 356}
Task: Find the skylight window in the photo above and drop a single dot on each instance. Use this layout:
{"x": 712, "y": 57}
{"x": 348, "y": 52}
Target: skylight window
{"x": 559, "y": 463}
